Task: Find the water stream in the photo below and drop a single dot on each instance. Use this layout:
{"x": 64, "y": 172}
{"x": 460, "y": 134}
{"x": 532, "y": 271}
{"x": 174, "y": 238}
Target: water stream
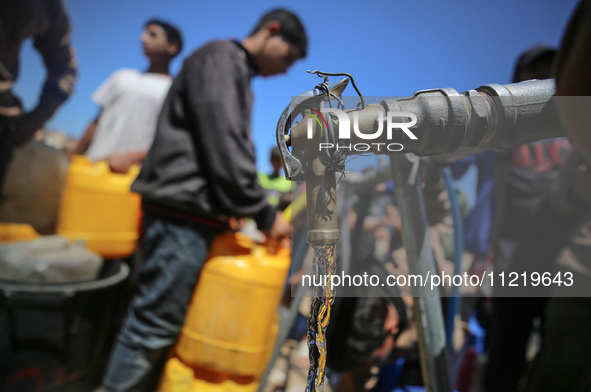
{"x": 322, "y": 299}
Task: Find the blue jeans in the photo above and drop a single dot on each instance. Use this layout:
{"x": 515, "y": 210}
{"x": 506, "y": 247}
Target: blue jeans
{"x": 172, "y": 253}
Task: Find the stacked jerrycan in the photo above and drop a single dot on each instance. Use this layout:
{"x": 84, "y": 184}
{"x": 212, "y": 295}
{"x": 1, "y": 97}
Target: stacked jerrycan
{"x": 98, "y": 207}
{"x": 10, "y": 232}
{"x": 232, "y": 321}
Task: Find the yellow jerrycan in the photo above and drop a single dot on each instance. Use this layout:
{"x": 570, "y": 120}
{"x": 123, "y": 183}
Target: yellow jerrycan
{"x": 98, "y": 207}
{"x": 10, "y": 232}
{"x": 232, "y": 321}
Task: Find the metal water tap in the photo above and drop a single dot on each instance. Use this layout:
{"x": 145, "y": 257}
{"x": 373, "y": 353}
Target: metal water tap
{"x": 304, "y": 163}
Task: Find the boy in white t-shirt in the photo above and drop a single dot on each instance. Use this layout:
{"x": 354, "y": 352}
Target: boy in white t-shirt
{"x": 130, "y": 102}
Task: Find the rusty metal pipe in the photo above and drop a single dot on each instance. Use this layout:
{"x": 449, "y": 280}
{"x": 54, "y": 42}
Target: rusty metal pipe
{"x": 448, "y": 123}
{"x": 491, "y": 117}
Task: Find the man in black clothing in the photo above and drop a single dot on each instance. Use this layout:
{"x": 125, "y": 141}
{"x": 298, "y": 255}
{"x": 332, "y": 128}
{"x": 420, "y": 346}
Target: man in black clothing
{"x": 48, "y": 25}
{"x": 530, "y": 234}
{"x": 199, "y": 174}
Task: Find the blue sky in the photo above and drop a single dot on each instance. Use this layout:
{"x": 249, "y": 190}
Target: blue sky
{"x": 391, "y": 47}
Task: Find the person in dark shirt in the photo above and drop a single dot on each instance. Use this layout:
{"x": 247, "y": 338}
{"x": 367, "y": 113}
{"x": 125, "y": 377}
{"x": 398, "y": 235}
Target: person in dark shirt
{"x": 199, "y": 175}
{"x": 564, "y": 363}
{"x": 573, "y": 79}
{"x": 529, "y": 235}
{"x": 47, "y": 23}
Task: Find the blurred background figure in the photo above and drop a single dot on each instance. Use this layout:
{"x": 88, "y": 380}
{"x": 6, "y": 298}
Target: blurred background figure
{"x": 362, "y": 336}
{"x": 564, "y": 360}
{"x": 275, "y": 184}
{"x": 47, "y": 23}
{"x": 574, "y": 80}
{"x": 130, "y": 102}
{"x": 528, "y": 236}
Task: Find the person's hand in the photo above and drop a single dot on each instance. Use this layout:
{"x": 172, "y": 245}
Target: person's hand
{"x": 236, "y": 224}
{"x": 280, "y": 232}
{"x": 119, "y": 163}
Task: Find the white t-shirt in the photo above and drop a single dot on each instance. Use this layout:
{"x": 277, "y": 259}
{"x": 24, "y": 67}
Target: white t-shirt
{"x": 130, "y": 102}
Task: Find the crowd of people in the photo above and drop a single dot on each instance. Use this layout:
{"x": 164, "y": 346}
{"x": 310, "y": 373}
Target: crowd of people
{"x": 191, "y": 134}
